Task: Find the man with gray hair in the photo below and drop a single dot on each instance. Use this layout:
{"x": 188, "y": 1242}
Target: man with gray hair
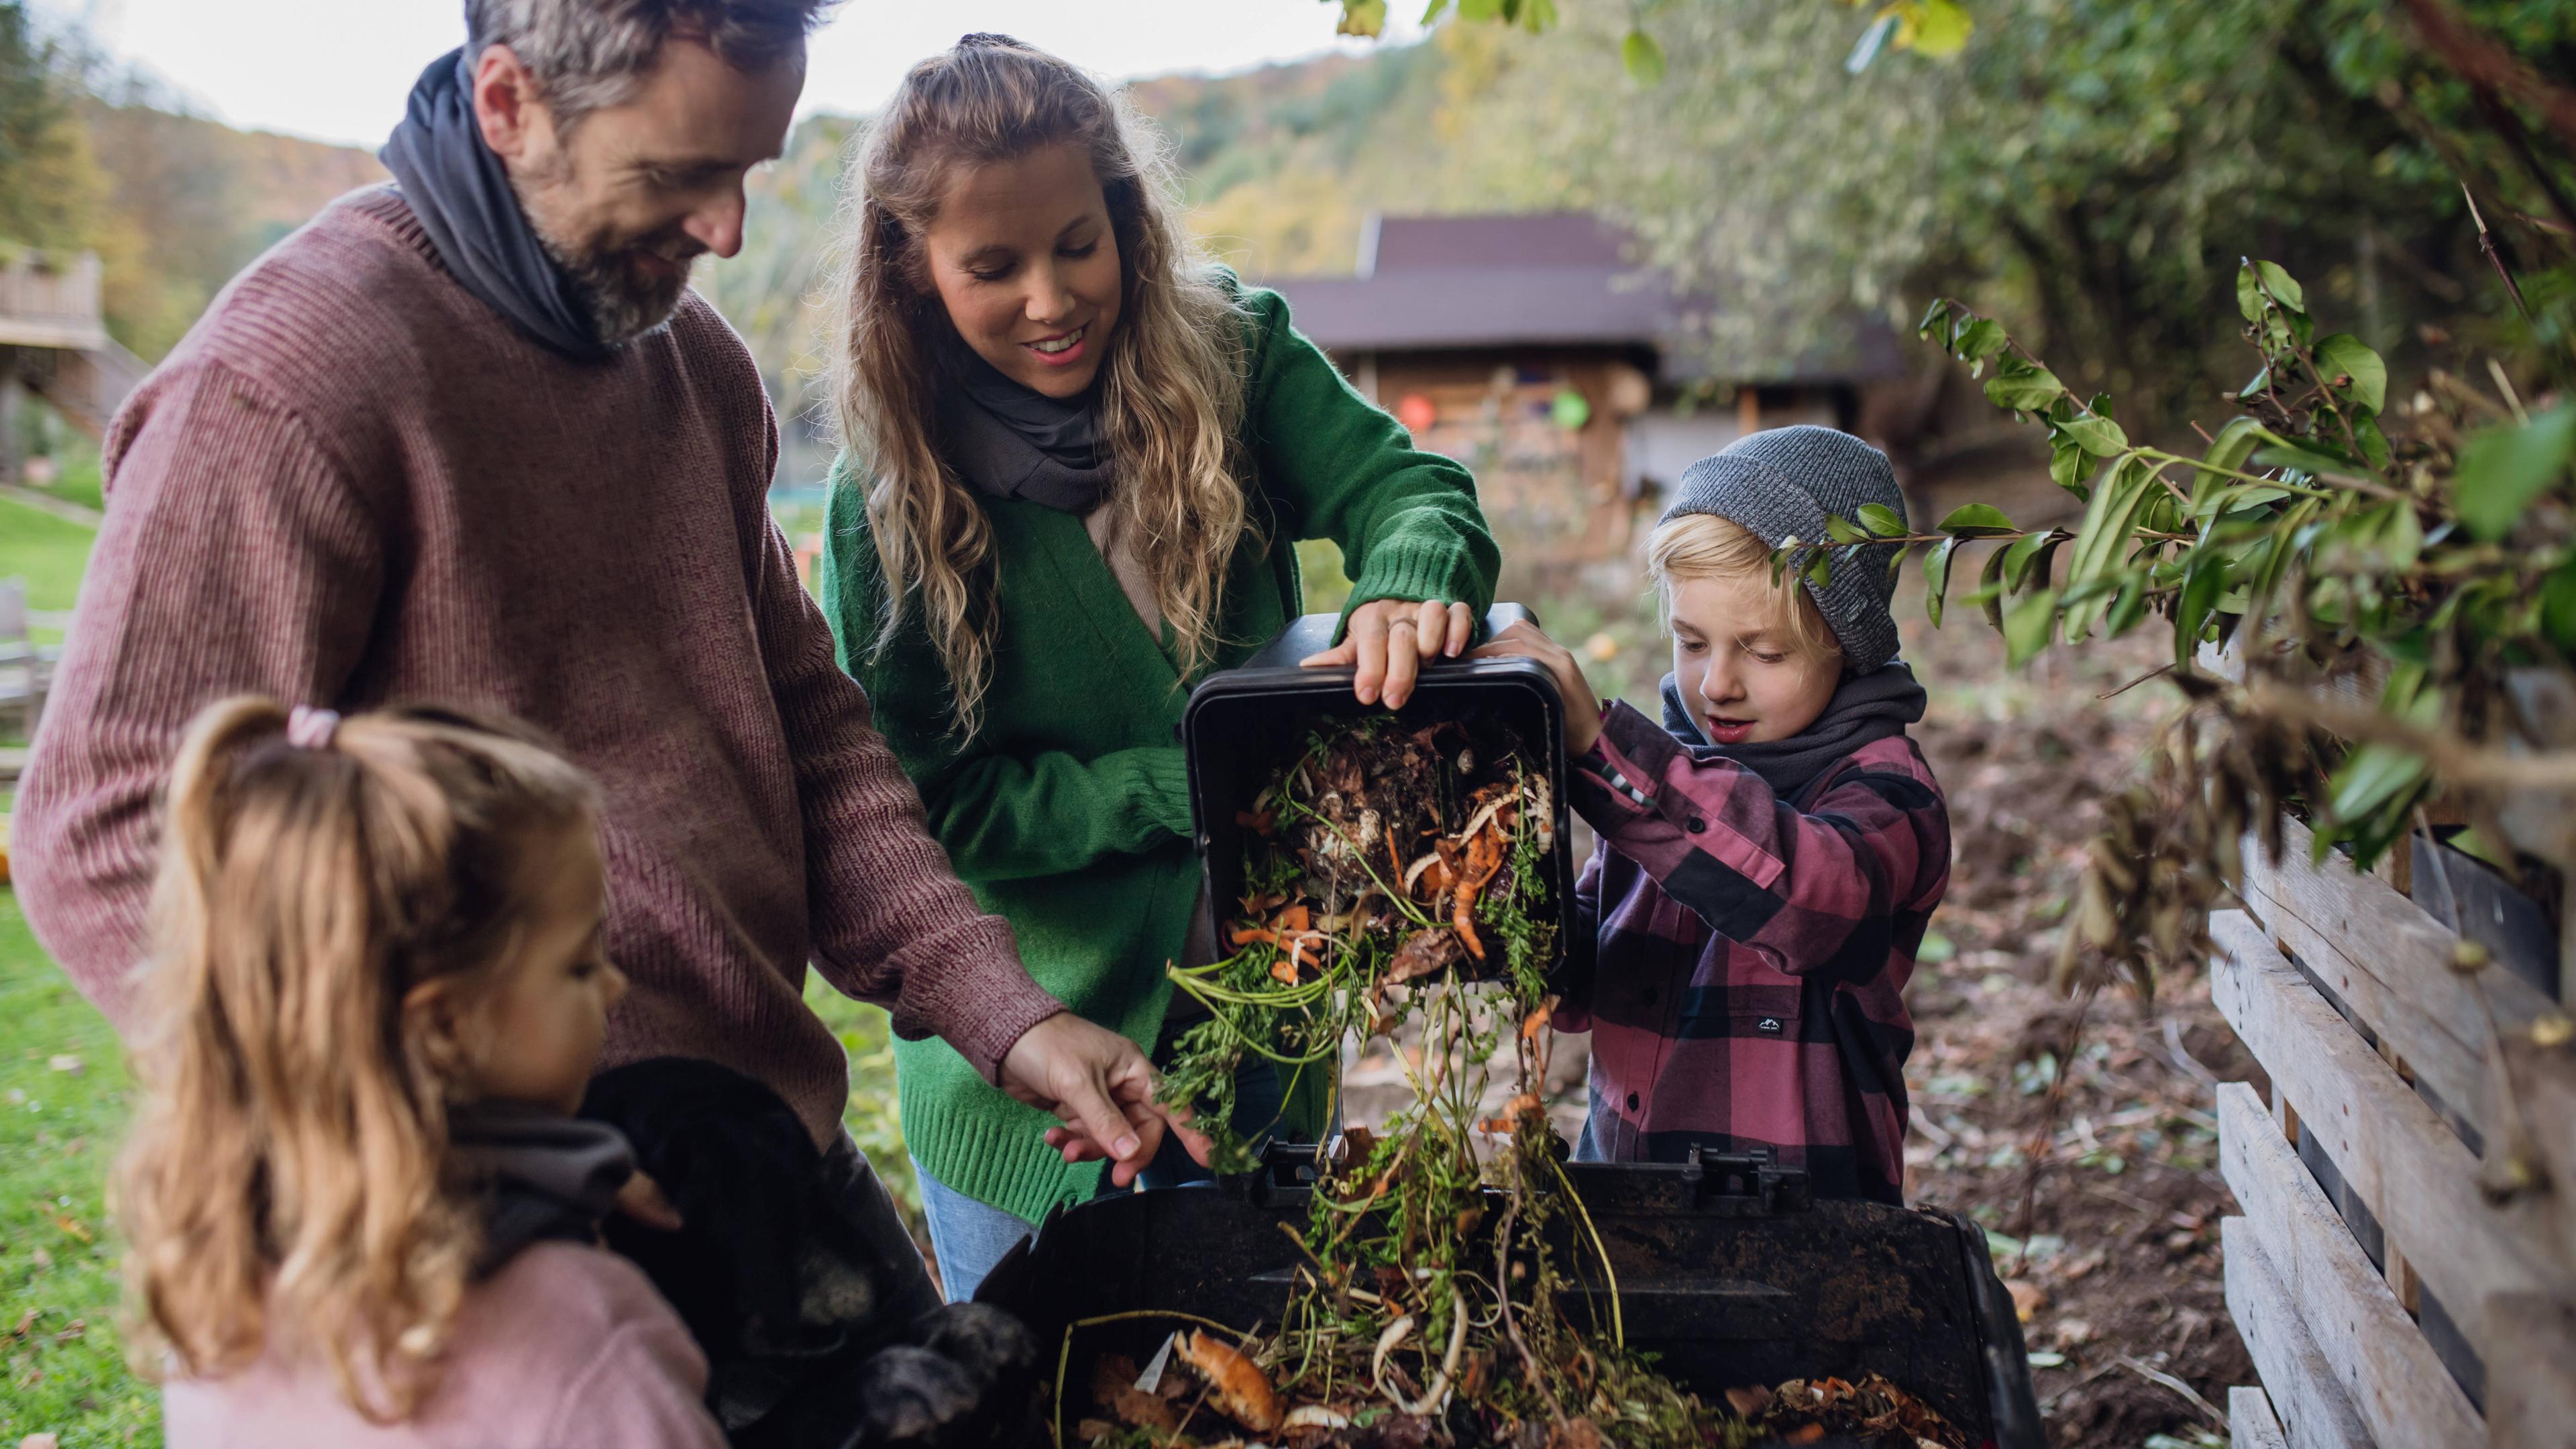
{"x": 470, "y": 439}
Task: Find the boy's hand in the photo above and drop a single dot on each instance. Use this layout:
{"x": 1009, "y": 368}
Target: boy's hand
{"x": 1391, "y": 640}
{"x": 1582, "y": 706}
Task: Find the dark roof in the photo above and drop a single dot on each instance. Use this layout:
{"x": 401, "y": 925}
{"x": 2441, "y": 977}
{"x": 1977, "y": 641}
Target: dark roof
{"x": 1555, "y": 279}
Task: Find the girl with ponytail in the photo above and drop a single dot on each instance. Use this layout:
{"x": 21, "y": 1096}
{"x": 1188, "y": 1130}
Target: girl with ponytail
{"x": 1079, "y": 456}
{"x": 359, "y": 1208}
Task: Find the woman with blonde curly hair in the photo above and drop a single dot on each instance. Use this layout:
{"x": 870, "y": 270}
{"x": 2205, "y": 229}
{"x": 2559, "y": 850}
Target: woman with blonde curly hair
{"x": 1078, "y": 457}
{"x": 359, "y": 1208}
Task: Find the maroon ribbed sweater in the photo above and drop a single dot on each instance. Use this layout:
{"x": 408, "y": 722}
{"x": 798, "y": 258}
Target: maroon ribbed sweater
{"x": 354, "y": 484}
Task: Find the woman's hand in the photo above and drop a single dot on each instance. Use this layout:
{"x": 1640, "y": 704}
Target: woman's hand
{"x": 1391, "y": 640}
{"x": 1582, "y": 706}
{"x": 1103, "y": 1089}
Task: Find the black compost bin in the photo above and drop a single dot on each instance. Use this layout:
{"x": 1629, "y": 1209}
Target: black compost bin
{"x": 1244, "y": 722}
{"x": 1726, "y": 1267}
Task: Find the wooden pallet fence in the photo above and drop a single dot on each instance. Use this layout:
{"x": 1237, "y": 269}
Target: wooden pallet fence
{"x": 2384, "y": 1299}
{"x": 2385, "y": 963}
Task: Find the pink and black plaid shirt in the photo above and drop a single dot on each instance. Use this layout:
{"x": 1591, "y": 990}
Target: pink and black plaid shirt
{"x": 1747, "y": 983}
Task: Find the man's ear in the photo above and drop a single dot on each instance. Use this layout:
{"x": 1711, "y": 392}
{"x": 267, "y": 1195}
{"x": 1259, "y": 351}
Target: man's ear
{"x": 508, "y": 107}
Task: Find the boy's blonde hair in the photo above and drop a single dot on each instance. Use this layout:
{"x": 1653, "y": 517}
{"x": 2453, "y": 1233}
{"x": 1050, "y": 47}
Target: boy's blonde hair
{"x": 1705, "y": 546}
{"x": 288, "y": 1175}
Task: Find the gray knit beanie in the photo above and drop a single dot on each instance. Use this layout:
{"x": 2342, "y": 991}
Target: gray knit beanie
{"x": 1784, "y": 482}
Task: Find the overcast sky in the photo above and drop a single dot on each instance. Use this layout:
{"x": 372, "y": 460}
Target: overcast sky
{"x": 337, "y": 70}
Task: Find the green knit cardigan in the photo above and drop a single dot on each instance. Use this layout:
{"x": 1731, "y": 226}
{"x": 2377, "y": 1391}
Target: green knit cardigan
{"x": 1068, "y": 812}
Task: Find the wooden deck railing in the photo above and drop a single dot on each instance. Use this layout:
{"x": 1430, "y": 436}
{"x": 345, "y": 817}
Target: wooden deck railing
{"x": 44, "y": 303}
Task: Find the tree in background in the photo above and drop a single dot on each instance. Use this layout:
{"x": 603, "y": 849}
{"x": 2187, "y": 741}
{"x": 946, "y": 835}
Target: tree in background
{"x": 51, "y": 193}
{"x": 2093, "y": 169}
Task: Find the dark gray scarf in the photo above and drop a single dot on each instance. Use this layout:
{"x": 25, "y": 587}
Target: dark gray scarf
{"x": 1011, "y": 441}
{"x": 462, "y": 195}
{"x": 1865, "y": 708}
{"x": 542, "y": 1175}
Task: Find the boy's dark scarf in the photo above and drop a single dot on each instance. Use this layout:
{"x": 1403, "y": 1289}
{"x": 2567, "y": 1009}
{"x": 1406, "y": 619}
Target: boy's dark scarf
{"x": 1008, "y": 440}
{"x": 462, "y": 195}
{"x": 1867, "y": 707}
{"x": 543, "y": 1176}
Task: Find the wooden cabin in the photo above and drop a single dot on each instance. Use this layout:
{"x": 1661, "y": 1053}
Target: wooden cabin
{"x": 1577, "y": 384}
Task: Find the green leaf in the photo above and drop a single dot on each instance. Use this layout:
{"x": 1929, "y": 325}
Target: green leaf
{"x": 1643, "y": 58}
{"x": 2249, "y": 293}
{"x": 2369, "y": 778}
{"x": 2366, "y": 376}
{"x": 2503, "y": 468}
{"x": 2127, "y": 609}
{"x": 1941, "y": 28}
{"x": 2307, "y": 457}
{"x": 2204, "y": 579}
{"x": 2104, "y": 535}
{"x": 2028, "y": 627}
{"x": 2097, "y": 435}
{"x": 1990, "y": 588}
{"x": 2276, "y": 558}
{"x": 1362, "y": 17}
{"x": 2231, "y": 449}
{"x": 2283, "y": 288}
{"x": 1978, "y": 343}
{"x": 1975, "y": 520}
{"x": 2018, "y": 555}
{"x": 1935, "y": 325}
{"x": 2023, "y": 386}
{"x": 1936, "y": 578}
{"x": 2374, "y": 443}
{"x": 1432, "y": 12}
{"x": 2557, "y": 606}
{"x": 2067, "y": 465}
{"x": 1843, "y": 530}
{"x": 2254, "y": 389}
{"x": 1883, "y": 521}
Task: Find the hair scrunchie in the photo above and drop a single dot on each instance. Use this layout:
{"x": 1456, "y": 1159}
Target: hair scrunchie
{"x": 308, "y": 728}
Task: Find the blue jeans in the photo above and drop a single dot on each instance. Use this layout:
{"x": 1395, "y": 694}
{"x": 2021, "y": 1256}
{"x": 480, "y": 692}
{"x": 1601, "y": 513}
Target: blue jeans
{"x": 969, "y": 1236}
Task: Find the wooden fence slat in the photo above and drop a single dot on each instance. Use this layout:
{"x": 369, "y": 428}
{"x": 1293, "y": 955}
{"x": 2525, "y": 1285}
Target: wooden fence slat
{"x": 2376, "y": 1353}
{"x": 2314, "y": 1414}
{"x": 2250, "y": 1422}
{"x": 2390, "y": 962}
{"x": 2418, "y": 1180}
{"x": 2546, "y": 1078}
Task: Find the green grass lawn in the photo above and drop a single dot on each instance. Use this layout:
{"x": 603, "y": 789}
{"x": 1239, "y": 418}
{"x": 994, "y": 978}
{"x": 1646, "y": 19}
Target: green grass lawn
{"x": 79, "y": 482}
{"x": 63, "y": 1096}
{"x": 48, "y": 552}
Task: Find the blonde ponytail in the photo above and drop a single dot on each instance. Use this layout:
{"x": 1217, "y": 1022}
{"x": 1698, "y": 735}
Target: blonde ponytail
{"x": 288, "y": 1167}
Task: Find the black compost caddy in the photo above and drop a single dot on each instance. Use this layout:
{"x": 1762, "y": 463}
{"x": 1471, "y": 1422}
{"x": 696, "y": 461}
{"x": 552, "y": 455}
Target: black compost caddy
{"x": 1727, "y": 1268}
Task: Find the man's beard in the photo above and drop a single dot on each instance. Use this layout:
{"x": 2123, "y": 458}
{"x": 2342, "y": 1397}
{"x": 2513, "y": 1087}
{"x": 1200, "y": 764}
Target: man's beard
{"x": 620, "y": 305}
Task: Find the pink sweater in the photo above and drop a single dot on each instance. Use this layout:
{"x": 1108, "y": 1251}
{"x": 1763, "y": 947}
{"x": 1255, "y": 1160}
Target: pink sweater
{"x": 352, "y": 484}
{"x": 567, "y": 1347}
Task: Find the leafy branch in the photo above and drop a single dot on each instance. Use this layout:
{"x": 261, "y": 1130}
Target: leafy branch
{"x": 2307, "y": 538}
{"x": 1937, "y": 28}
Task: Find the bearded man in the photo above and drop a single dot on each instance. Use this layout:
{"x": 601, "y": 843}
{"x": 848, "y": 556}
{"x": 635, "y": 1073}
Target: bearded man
{"x": 470, "y": 439}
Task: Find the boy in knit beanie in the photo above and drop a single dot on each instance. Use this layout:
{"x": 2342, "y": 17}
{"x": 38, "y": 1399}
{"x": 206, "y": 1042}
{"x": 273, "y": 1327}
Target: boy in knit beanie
{"x": 1771, "y": 853}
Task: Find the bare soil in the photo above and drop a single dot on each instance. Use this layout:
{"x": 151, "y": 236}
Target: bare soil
{"x": 2082, "y": 1136}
